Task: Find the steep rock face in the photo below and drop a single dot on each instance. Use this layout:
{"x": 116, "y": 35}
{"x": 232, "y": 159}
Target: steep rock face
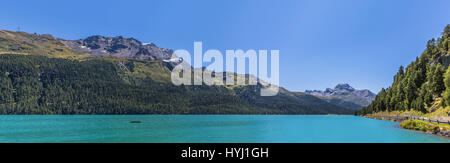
{"x": 119, "y": 47}
{"x": 346, "y": 96}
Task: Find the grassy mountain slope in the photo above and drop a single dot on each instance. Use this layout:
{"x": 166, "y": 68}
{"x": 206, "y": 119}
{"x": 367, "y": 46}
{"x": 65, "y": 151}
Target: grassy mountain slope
{"x": 34, "y": 44}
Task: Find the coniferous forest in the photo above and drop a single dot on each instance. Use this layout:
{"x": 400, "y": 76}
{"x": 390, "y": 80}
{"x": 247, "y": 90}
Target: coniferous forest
{"x": 421, "y": 83}
{"x": 40, "y": 74}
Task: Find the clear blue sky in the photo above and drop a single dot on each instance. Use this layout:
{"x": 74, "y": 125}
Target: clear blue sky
{"x": 321, "y": 42}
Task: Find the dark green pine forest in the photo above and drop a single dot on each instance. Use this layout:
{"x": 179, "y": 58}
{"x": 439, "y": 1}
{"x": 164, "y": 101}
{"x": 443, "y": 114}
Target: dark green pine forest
{"x": 424, "y": 82}
{"x": 42, "y": 85}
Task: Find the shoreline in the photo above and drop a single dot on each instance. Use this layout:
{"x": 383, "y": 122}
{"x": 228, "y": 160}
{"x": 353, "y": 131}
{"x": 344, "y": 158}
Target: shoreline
{"x": 409, "y": 123}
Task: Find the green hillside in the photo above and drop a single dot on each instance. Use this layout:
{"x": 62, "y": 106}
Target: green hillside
{"x": 420, "y": 84}
{"x": 39, "y": 75}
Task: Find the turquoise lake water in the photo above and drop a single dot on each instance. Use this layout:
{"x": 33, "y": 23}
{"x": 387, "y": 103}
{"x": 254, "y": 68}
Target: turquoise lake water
{"x": 206, "y": 129}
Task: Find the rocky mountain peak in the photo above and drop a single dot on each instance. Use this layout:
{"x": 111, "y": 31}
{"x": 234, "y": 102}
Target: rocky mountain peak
{"x": 346, "y": 87}
{"x": 119, "y": 47}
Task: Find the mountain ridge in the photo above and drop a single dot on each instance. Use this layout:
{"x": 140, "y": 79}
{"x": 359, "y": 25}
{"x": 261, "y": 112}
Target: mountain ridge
{"x": 345, "y": 95}
{"x": 117, "y": 75}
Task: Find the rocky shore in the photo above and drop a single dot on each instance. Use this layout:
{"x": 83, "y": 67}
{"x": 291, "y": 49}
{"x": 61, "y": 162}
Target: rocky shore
{"x": 414, "y": 124}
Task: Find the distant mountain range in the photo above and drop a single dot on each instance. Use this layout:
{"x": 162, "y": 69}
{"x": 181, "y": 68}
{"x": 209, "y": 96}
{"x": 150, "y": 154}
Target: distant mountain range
{"x": 346, "y": 96}
{"x": 40, "y": 74}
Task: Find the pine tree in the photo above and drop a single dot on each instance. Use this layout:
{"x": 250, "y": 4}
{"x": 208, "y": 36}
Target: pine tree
{"x": 446, "y": 30}
{"x": 438, "y": 85}
{"x": 446, "y": 94}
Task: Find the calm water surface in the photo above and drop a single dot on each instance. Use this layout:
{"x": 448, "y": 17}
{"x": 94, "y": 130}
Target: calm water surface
{"x": 206, "y": 129}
